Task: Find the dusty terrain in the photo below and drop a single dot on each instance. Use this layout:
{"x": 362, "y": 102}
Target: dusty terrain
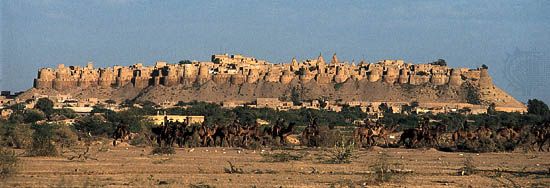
{"x": 135, "y": 167}
{"x": 210, "y": 91}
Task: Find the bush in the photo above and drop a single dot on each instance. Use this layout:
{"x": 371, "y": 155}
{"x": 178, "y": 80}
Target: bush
{"x": 95, "y": 125}
{"x": 8, "y": 162}
{"x": 385, "y": 171}
{"x": 478, "y": 146}
{"x": 163, "y": 150}
{"x": 31, "y": 116}
{"x": 64, "y": 135}
{"x": 233, "y": 169}
{"x": 45, "y": 105}
{"x": 42, "y": 142}
{"x": 67, "y": 112}
{"x": 15, "y": 135}
{"x": 486, "y": 145}
{"x": 328, "y": 137}
{"x": 342, "y": 153}
{"x": 140, "y": 140}
{"x": 469, "y": 167}
{"x": 281, "y": 157}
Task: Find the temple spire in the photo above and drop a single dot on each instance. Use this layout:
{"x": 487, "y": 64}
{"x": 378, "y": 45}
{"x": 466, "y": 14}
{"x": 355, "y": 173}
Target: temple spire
{"x": 294, "y": 62}
{"x": 320, "y": 59}
{"x": 334, "y": 59}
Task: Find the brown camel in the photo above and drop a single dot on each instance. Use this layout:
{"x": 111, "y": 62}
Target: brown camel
{"x": 542, "y": 135}
{"x": 462, "y": 134}
{"x": 411, "y": 137}
{"x": 507, "y": 134}
{"x": 206, "y": 134}
{"x": 122, "y": 132}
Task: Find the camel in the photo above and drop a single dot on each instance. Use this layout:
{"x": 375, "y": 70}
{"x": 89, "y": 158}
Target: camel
{"x": 507, "y": 134}
{"x": 484, "y": 132}
{"x": 184, "y": 134}
{"x": 462, "y": 134}
{"x": 206, "y": 134}
{"x": 233, "y": 131}
{"x": 371, "y": 132}
{"x": 310, "y": 135}
{"x": 431, "y": 135}
{"x": 122, "y": 132}
{"x": 411, "y": 137}
{"x": 164, "y": 133}
{"x": 282, "y": 133}
{"x": 256, "y": 133}
{"x": 542, "y": 135}
{"x": 384, "y": 133}
{"x": 359, "y": 134}
{"x": 223, "y": 133}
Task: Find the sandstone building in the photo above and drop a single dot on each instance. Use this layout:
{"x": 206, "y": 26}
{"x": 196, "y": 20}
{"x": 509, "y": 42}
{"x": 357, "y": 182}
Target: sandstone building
{"x": 227, "y": 78}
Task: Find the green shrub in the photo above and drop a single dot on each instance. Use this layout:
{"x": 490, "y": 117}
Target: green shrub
{"x": 15, "y": 135}
{"x": 95, "y": 125}
{"x": 233, "y": 169}
{"x": 165, "y": 150}
{"x": 31, "y": 116}
{"x": 42, "y": 141}
{"x": 469, "y": 167}
{"x": 64, "y": 135}
{"x": 140, "y": 140}
{"x": 386, "y": 171}
{"x": 8, "y": 162}
{"x": 328, "y": 137}
{"x": 281, "y": 157}
{"x": 342, "y": 152}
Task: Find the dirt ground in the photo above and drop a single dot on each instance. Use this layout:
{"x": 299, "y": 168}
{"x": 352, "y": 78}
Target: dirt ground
{"x": 129, "y": 166}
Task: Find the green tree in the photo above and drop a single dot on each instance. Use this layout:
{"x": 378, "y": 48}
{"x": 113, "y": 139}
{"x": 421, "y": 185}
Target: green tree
{"x": 45, "y": 105}
{"x": 491, "y": 110}
{"x": 19, "y": 107}
{"x": 42, "y": 141}
{"x": 182, "y": 62}
{"x": 31, "y": 116}
{"x": 537, "y": 107}
{"x": 67, "y": 112}
{"x": 95, "y": 125}
{"x": 440, "y": 62}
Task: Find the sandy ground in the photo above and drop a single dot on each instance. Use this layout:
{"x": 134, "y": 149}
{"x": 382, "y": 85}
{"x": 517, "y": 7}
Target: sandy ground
{"x": 128, "y": 166}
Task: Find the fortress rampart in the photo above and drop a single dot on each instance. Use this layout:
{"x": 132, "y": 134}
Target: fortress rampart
{"x": 238, "y": 69}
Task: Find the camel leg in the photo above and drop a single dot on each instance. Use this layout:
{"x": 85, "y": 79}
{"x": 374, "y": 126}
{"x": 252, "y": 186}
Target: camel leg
{"x": 213, "y": 141}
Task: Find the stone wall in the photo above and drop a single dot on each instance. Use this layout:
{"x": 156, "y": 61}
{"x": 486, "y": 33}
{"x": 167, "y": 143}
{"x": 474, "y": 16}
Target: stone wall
{"x": 238, "y": 69}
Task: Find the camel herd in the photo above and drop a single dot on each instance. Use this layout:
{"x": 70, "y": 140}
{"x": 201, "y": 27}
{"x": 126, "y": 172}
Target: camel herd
{"x": 231, "y": 135}
{"x": 426, "y": 135}
{"x": 237, "y": 134}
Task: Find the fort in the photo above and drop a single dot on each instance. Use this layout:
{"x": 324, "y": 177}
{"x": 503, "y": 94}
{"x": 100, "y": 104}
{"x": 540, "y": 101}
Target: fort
{"x": 237, "y": 79}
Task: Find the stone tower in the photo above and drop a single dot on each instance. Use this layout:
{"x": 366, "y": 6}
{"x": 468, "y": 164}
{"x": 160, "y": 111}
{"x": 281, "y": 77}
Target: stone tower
{"x": 204, "y": 74}
{"x": 404, "y": 76}
{"x": 392, "y": 74}
{"x": 45, "y": 79}
{"x": 455, "y": 79}
{"x": 485, "y": 81}
{"x": 375, "y": 73}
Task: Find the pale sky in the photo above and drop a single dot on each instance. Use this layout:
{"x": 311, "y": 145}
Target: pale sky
{"x": 511, "y": 37}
